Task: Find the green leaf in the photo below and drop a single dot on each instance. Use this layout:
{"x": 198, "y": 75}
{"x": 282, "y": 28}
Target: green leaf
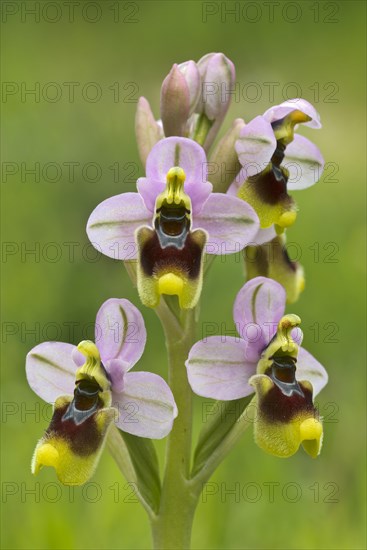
{"x": 221, "y": 421}
{"x": 138, "y": 461}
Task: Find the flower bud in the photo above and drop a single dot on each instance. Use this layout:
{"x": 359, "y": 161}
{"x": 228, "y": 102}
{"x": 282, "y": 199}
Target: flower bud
{"x": 175, "y": 103}
{"x": 217, "y": 77}
{"x": 224, "y": 164}
{"x": 147, "y": 130}
{"x": 191, "y": 73}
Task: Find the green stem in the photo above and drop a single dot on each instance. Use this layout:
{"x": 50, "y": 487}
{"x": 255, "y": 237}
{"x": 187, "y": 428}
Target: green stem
{"x": 171, "y": 528}
{"x": 203, "y": 126}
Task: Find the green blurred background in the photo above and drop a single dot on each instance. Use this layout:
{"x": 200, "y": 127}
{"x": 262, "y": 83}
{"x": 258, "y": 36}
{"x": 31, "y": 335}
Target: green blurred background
{"x": 317, "y": 504}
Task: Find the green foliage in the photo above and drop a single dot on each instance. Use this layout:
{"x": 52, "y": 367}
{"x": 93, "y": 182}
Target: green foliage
{"x": 213, "y": 434}
{"x": 142, "y": 470}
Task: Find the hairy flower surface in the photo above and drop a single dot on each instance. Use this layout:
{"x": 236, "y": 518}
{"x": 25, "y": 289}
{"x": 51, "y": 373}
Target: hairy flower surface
{"x": 275, "y": 160}
{"x": 91, "y": 387}
{"x": 266, "y": 357}
{"x": 169, "y": 224}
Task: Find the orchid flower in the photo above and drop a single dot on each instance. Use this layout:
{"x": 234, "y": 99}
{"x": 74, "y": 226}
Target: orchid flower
{"x": 170, "y": 222}
{"x": 272, "y": 260}
{"x": 276, "y": 160}
{"x": 91, "y": 387}
{"x": 266, "y": 358}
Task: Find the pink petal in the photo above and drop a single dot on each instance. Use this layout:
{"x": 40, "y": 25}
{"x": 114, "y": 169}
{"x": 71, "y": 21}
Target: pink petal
{"x": 149, "y": 191}
{"x": 308, "y": 368}
{"x": 177, "y": 151}
{"x": 120, "y": 331}
{"x": 255, "y": 146}
{"x": 116, "y": 369}
{"x": 279, "y": 111}
{"x": 182, "y": 152}
{"x": 258, "y": 307}
{"x": 216, "y": 368}
{"x": 264, "y": 235}
{"x": 112, "y": 224}
{"x": 51, "y": 370}
{"x": 146, "y": 406}
{"x": 230, "y": 222}
{"x": 304, "y": 162}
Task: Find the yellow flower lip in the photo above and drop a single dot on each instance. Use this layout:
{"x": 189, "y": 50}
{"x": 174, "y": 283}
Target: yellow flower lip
{"x": 283, "y": 424}
{"x": 45, "y": 455}
{"x": 310, "y": 429}
{"x": 272, "y": 260}
{"x": 311, "y": 435}
{"x": 301, "y": 284}
{"x": 287, "y": 219}
{"x": 170, "y": 284}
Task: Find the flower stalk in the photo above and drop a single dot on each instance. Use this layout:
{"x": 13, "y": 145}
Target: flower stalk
{"x": 171, "y": 529}
{"x": 182, "y": 485}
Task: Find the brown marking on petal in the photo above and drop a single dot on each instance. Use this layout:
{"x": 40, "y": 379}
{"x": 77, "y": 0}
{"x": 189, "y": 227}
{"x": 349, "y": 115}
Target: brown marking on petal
{"x": 277, "y": 407}
{"x": 271, "y": 185}
{"x": 75, "y": 422}
{"x": 288, "y": 398}
{"x": 83, "y": 439}
{"x": 154, "y": 259}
